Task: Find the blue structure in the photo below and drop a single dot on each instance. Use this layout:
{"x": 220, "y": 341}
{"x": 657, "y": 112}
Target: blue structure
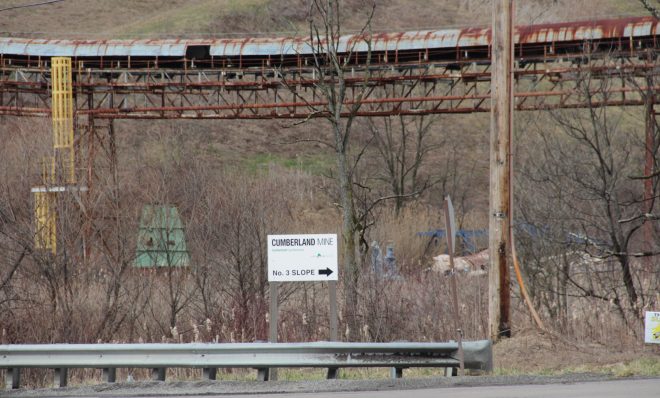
{"x": 467, "y": 238}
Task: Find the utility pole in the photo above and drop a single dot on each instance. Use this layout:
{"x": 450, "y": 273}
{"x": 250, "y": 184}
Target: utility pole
{"x": 501, "y": 125}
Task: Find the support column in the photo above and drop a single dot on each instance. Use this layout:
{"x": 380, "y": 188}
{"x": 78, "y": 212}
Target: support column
{"x": 396, "y": 373}
{"x": 12, "y": 378}
{"x": 209, "y": 373}
{"x": 648, "y": 170}
{"x": 499, "y": 322}
{"x": 262, "y": 374}
{"x": 91, "y": 139}
{"x": 91, "y": 156}
{"x": 60, "y": 377}
{"x": 158, "y": 374}
{"x": 333, "y": 373}
{"x": 332, "y": 293}
{"x": 271, "y": 374}
{"x": 110, "y": 375}
{"x": 116, "y": 200}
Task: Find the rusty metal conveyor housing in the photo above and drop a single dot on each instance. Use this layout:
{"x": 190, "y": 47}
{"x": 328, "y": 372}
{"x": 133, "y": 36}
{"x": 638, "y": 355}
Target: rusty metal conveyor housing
{"x": 421, "y": 72}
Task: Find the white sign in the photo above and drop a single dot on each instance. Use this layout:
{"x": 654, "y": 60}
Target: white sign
{"x": 652, "y": 328}
{"x": 302, "y": 258}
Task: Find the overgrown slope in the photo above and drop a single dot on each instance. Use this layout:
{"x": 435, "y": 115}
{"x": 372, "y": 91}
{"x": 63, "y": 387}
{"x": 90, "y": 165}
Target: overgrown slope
{"x": 155, "y": 18}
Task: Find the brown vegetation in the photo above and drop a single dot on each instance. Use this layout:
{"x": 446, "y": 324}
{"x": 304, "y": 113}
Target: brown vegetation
{"x": 149, "y": 18}
{"x": 230, "y": 198}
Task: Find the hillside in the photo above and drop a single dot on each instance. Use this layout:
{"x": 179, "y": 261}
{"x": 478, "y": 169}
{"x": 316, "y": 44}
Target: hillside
{"x": 579, "y": 203}
{"x": 175, "y": 18}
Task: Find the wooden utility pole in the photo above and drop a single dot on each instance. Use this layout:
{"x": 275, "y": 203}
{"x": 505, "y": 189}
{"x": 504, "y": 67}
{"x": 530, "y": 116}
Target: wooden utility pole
{"x": 501, "y": 123}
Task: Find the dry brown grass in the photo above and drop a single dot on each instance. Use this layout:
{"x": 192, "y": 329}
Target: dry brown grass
{"x": 534, "y": 352}
{"x": 415, "y": 307}
{"x": 121, "y": 18}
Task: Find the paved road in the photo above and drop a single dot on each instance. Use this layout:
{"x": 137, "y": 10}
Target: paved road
{"x": 565, "y": 386}
{"x": 604, "y": 389}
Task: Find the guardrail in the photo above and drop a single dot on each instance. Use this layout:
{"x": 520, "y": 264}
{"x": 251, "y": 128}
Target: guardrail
{"x": 261, "y": 356}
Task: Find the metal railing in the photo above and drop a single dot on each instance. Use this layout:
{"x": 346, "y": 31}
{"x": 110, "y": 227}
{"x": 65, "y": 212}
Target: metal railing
{"x": 260, "y": 356}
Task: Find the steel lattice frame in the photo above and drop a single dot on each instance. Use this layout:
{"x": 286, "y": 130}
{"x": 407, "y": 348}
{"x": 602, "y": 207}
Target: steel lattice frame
{"x": 263, "y": 93}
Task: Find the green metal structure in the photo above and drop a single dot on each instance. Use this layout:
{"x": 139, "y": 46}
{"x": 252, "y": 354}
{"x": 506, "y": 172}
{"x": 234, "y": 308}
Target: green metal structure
{"x": 161, "y": 239}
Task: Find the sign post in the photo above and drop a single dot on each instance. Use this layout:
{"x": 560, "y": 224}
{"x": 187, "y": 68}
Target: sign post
{"x": 302, "y": 258}
{"x": 450, "y": 225}
{"x": 271, "y": 374}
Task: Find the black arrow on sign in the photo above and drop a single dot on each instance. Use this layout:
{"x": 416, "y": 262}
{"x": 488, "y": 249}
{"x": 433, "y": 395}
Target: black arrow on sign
{"x": 326, "y": 271}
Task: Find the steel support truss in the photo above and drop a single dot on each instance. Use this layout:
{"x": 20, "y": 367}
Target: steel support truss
{"x": 294, "y": 93}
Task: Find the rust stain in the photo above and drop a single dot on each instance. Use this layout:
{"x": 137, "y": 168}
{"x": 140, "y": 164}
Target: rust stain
{"x": 606, "y": 29}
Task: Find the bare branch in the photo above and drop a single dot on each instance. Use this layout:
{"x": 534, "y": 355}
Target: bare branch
{"x": 390, "y": 197}
{"x": 647, "y": 216}
{"x": 653, "y": 10}
{"x": 652, "y": 175}
{"x": 300, "y": 140}
{"x": 14, "y": 268}
{"x": 310, "y": 116}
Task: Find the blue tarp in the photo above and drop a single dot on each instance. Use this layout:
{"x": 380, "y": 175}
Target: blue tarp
{"x": 468, "y": 237}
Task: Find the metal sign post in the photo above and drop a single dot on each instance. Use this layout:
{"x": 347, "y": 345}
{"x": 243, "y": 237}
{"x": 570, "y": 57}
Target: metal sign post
{"x": 450, "y": 224}
{"x": 272, "y": 335}
{"x": 300, "y": 258}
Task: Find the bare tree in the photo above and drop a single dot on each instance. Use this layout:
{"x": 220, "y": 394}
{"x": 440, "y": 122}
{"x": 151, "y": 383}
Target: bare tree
{"x": 581, "y": 193}
{"x": 403, "y": 145}
{"x": 330, "y": 58}
{"x": 651, "y": 8}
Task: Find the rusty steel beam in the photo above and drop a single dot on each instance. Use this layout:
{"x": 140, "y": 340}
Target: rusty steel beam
{"x": 651, "y": 128}
{"x": 92, "y": 79}
{"x": 174, "y": 112}
{"x": 422, "y": 86}
{"x": 122, "y": 112}
{"x": 541, "y": 100}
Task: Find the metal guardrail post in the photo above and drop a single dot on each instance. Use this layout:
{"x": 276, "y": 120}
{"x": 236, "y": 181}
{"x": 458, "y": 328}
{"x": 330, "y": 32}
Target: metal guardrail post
{"x": 12, "y": 378}
{"x": 110, "y": 375}
{"x": 333, "y": 373}
{"x": 262, "y": 374}
{"x": 209, "y": 373}
{"x": 396, "y": 373}
{"x": 158, "y": 374}
{"x": 60, "y": 377}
